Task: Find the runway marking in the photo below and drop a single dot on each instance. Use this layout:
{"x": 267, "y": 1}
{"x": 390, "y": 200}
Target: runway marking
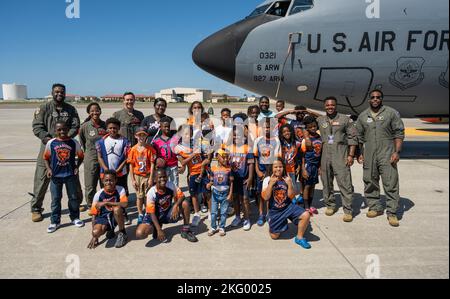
{"x": 424, "y": 132}
{"x": 10, "y": 212}
{"x": 338, "y": 250}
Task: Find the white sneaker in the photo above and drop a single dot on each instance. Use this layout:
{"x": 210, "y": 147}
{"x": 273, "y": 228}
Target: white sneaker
{"x": 222, "y": 232}
{"x": 196, "y": 220}
{"x": 78, "y": 223}
{"x": 236, "y": 222}
{"x": 212, "y": 232}
{"x": 247, "y": 225}
{"x": 52, "y": 228}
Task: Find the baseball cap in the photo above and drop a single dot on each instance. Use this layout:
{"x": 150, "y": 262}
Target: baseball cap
{"x": 141, "y": 130}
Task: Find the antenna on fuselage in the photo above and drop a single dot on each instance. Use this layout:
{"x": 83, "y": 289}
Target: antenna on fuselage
{"x": 294, "y": 38}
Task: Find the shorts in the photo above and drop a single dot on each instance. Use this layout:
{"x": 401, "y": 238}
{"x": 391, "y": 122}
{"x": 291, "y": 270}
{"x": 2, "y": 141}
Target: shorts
{"x": 142, "y": 183}
{"x": 238, "y": 187}
{"x": 313, "y": 172}
{"x": 164, "y": 218}
{"x": 197, "y": 188}
{"x": 106, "y": 219}
{"x": 278, "y": 219}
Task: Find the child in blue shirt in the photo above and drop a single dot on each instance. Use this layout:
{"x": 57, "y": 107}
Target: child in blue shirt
{"x": 221, "y": 186}
{"x": 62, "y": 168}
{"x": 312, "y": 149}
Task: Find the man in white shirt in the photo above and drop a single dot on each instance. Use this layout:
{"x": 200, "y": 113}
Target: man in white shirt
{"x": 223, "y": 132}
{"x": 264, "y": 105}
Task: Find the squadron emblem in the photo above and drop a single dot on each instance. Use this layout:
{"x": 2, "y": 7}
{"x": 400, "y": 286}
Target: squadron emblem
{"x": 409, "y": 72}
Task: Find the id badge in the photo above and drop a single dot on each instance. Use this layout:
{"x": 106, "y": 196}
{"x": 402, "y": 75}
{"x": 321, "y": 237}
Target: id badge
{"x": 331, "y": 139}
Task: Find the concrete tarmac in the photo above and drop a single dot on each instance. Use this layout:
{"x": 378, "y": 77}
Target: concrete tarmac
{"x": 366, "y": 248}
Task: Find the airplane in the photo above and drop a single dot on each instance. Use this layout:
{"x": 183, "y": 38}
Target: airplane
{"x": 176, "y": 98}
{"x": 303, "y": 51}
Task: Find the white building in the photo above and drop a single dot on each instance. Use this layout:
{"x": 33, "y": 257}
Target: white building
{"x": 12, "y": 92}
{"x": 186, "y": 94}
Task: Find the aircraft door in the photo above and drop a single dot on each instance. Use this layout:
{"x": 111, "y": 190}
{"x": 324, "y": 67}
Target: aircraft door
{"x": 349, "y": 85}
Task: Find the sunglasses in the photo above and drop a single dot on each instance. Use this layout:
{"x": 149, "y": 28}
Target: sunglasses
{"x": 376, "y": 97}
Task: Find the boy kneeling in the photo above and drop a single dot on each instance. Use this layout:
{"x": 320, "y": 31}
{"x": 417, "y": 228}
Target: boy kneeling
{"x": 165, "y": 203}
{"x": 107, "y": 211}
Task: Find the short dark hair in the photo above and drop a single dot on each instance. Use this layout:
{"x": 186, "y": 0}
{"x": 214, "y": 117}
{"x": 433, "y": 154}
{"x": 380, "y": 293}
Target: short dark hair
{"x": 225, "y": 110}
{"x": 59, "y": 85}
{"x": 161, "y": 171}
{"x": 331, "y": 99}
{"x": 61, "y": 122}
{"x": 165, "y": 120}
{"x": 263, "y": 98}
{"x": 240, "y": 115}
{"x": 157, "y": 100}
{"x": 377, "y": 90}
{"x": 282, "y": 102}
{"x": 128, "y": 93}
{"x": 110, "y": 172}
{"x": 114, "y": 121}
{"x": 354, "y": 117}
{"x": 300, "y": 107}
{"x": 309, "y": 120}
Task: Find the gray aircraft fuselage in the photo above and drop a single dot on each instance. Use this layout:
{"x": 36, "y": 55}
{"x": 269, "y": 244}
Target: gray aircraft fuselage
{"x": 335, "y": 49}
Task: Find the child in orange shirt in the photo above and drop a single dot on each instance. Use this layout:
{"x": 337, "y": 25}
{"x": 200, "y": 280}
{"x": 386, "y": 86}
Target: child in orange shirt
{"x": 193, "y": 159}
{"x": 142, "y": 164}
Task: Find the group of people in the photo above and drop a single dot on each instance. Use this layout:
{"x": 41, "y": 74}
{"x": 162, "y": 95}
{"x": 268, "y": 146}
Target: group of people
{"x": 262, "y": 154}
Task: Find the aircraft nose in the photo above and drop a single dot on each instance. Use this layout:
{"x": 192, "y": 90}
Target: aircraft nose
{"x": 217, "y": 53}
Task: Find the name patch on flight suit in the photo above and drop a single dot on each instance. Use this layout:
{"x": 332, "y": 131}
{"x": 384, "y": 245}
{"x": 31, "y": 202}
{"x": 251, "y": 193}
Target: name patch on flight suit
{"x": 330, "y": 139}
{"x": 92, "y": 133}
{"x": 325, "y": 125}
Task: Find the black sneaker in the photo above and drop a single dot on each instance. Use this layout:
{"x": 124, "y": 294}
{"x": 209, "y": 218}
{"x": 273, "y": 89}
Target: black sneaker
{"x": 121, "y": 240}
{"x": 188, "y": 235}
{"x": 110, "y": 234}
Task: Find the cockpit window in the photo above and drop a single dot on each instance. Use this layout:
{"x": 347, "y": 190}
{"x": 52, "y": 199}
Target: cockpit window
{"x": 279, "y": 8}
{"x": 301, "y": 5}
{"x": 259, "y": 10}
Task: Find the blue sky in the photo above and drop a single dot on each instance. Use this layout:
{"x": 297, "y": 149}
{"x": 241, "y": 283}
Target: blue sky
{"x": 137, "y": 45}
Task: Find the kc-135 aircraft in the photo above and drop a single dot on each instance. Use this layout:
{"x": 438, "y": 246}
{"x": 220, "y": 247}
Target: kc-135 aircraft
{"x": 305, "y": 50}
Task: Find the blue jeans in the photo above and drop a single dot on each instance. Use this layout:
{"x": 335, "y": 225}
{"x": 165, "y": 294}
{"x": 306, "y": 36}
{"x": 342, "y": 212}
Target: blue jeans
{"x": 219, "y": 198}
{"x": 56, "y": 186}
